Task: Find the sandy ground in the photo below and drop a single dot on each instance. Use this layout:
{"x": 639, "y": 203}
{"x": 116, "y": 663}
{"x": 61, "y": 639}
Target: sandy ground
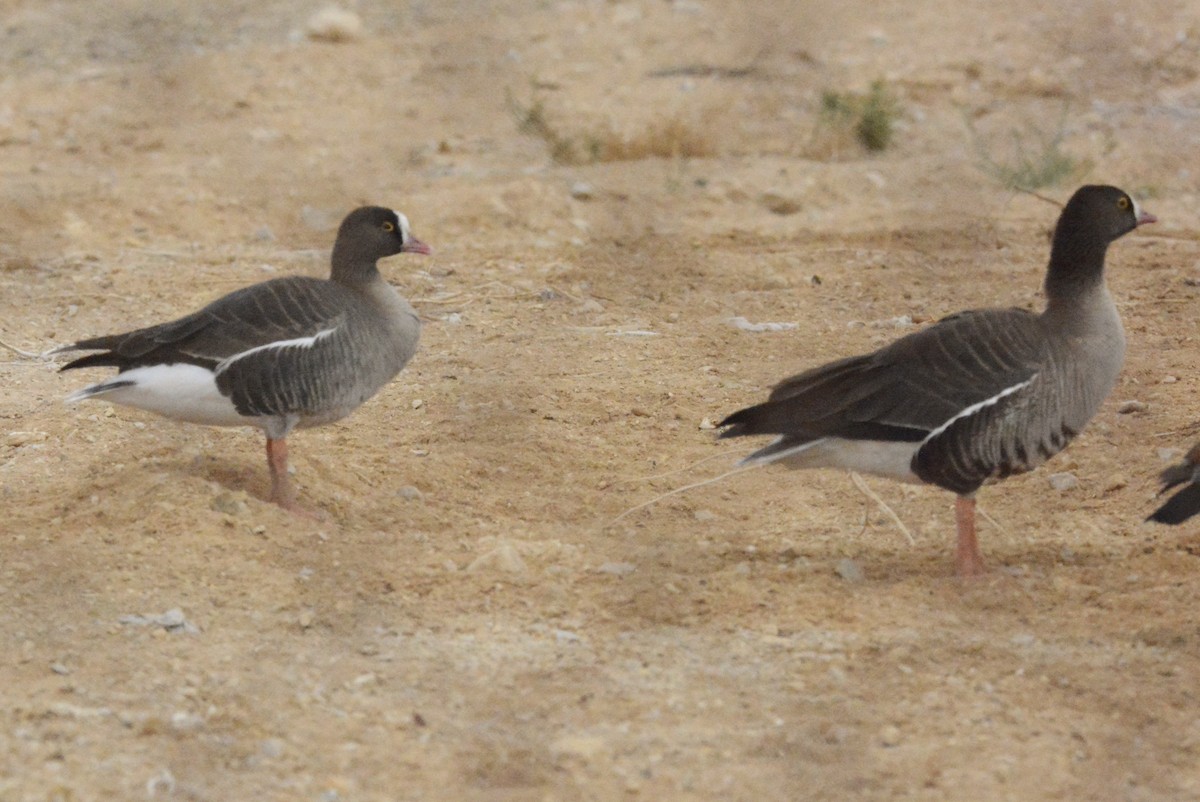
{"x": 468, "y": 623}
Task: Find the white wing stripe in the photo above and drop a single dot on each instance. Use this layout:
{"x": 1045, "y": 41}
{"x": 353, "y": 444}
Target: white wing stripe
{"x": 984, "y": 404}
{"x": 298, "y": 342}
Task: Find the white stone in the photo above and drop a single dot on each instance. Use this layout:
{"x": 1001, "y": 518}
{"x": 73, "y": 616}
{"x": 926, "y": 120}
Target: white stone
{"x": 1063, "y": 481}
{"x": 333, "y": 24}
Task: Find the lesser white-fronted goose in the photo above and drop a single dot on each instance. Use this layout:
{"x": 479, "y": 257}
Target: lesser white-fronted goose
{"x": 287, "y": 353}
{"x": 978, "y": 396}
{"x": 1186, "y": 502}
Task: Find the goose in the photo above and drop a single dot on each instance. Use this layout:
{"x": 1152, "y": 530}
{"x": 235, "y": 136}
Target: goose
{"x": 977, "y": 396}
{"x": 285, "y": 354}
{"x": 1186, "y": 502}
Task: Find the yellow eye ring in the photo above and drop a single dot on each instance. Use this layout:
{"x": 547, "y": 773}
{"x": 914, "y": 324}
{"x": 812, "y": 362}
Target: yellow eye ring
{"x": 1122, "y": 203}
{"x": 388, "y": 225}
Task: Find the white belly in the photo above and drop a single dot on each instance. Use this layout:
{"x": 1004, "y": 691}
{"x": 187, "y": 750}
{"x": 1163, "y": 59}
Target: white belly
{"x": 875, "y": 457}
{"x": 182, "y": 392}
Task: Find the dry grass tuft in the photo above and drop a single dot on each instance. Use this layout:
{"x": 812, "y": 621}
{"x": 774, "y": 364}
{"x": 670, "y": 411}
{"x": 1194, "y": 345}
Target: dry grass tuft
{"x": 670, "y": 138}
{"x": 673, "y": 138}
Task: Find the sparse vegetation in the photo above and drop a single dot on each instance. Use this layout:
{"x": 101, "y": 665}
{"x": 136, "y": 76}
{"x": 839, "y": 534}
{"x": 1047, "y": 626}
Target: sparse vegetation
{"x": 1035, "y": 159}
{"x": 869, "y": 118}
{"x": 670, "y": 138}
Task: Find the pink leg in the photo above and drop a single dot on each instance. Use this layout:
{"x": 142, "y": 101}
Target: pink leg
{"x": 281, "y": 487}
{"x": 966, "y": 557}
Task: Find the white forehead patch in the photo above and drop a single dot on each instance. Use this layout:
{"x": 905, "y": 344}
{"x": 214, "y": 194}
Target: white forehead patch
{"x": 405, "y": 231}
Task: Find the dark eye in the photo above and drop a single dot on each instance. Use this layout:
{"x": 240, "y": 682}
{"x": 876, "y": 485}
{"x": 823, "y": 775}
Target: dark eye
{"x": 1122, "y": 203}
{"x": 388, "y": 225}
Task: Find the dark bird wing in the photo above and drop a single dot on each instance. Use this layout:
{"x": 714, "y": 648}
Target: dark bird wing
{"x": 275, "y": 348}
{"x": 963, "y": 381}
{"x": 273, "y": 311}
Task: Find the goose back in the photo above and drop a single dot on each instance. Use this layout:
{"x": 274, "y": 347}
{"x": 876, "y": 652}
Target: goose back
{"x": 298, "y": 347}
{"x": 981, "y": 394}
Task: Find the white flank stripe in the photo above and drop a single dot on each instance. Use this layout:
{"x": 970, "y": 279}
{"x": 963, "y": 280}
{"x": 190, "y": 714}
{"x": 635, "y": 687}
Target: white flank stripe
{"x": 180, "y": 391}
{"x": 984, "y": 404}
{"x": 298, "y": 342}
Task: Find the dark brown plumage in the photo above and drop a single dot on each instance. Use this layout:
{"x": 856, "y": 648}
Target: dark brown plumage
{"x": 978, "y": 396}
{"x": 286, "y": 353}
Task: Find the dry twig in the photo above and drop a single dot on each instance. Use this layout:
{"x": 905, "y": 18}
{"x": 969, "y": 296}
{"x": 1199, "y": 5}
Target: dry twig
{"x": 676, "y": 491}
{"x": 20, "y": 352}
{"x": 871, "y": 494}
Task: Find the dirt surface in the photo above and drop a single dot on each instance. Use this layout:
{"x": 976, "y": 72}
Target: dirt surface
{"x": 468, "y": 622}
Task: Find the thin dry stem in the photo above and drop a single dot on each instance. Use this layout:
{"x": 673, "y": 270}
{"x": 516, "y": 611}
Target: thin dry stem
{"x": 676, "y": 491}
{"x": 871, "y": 494}
{"x": 668, "y": 473}
{"x": 991, "y": 520}
{"x": 20, "y": 352}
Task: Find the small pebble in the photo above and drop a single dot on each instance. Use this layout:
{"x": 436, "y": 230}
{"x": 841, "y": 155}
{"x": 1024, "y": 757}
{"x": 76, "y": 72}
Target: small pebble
{"x": 272, "y": 747}
{"x": 1115, "y": 482}
{"x": 182, "y": 721}
{"x": 707, "y": 424}
{"x": 172, "y": 620}
{"x": 849, "y": 570}
{"x": 566, "y": 636}
{"x": 579, "y": 746}
{"x": 889, "y": 735}
{"x": 704, "y": 515}
{"x": 333, "y": 24}
{"x": 745, "y": 325}
{"x": 504, "y": 558}
{"x": 901, "y": 322}
{"x": 780, "y": 204}
{"x": 18, "y": 439}
{"x": 164, "y": 781}
{"x": 228, "y": 503}
{"x": 1063, "y": 481}
{"x": 582, "y": 190}
{"x": 409, "y": 493}
{"x": 1131, "y": 406}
